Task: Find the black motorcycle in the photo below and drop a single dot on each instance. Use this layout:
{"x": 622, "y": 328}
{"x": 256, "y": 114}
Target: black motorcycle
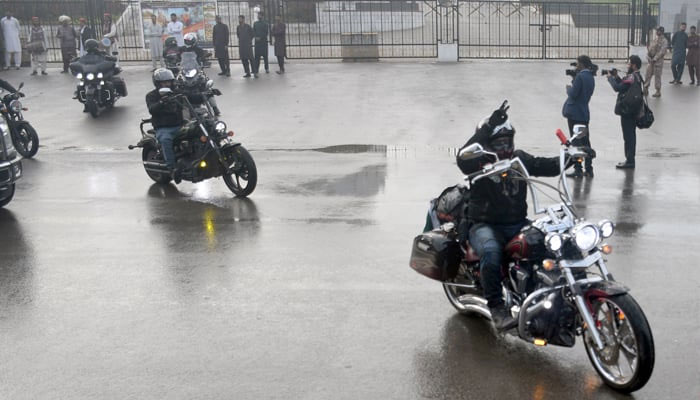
{"x": 24, "y": 137}
{"x": 99, "y": 87}
{"x": 10, "y": 165}
{"x": 193, "y": 82}
{"x": 203, "y": 148}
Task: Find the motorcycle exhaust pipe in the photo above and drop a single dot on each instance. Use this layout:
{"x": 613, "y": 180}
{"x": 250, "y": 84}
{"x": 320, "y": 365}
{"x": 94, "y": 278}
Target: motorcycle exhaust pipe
{"x": 475, "y": 304}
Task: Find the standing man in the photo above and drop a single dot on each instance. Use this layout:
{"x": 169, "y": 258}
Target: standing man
{"x": 279, "y": 34}
{"x": 628, "y": 119}
{"x": 84, "y": 33}
{"x": 679, "y": 42}
{"x": 13, "y": 47}
{"x": 693, "y": 59}
{"x": 175, "y": 28}
{"x": 155, "y": 40}
{"x": 109, "y": 30}
{"x": 261, "y": 29}
{"x": 68, "y": 37}
{"x": 220, "y": 36}
{"x": 576, "y": 109}
{"x": 245, "y": 45}
{"x": 37, "y": 46}
{"x": 656, "y": 50}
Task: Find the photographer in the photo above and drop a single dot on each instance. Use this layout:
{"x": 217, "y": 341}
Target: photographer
{"x": 576, "y": 110}
{"x": 623, "y": 107}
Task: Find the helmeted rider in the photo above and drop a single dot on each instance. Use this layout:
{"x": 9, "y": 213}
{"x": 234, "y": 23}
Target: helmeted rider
{"x": 191, "y": 45}
{"x": 170, "y": 47}
{"x": 497, "y": 208}
{"x": 166, "y": 117}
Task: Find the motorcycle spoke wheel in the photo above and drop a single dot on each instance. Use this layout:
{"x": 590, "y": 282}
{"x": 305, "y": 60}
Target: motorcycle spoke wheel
{"x": 627, "y": 358}
{"x": 27, "y": 141}
{"x": 242, "y": 175}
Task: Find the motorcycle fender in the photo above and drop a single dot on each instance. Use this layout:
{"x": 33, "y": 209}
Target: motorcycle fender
{"x": 216, "y": 92}
{"x": 603, "y": 289}
{"x": 19, "y": 124}
{"x": 230, "y": 146}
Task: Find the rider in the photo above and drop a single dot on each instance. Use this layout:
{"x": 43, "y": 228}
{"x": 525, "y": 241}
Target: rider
{"x": 93, "y": 55}
{"x": 192, "y": 46}
{"x": 498, "y": 205}
{"x": 166, "y": 117}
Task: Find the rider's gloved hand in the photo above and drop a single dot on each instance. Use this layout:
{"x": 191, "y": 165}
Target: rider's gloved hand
{"x": 500, "y": 115}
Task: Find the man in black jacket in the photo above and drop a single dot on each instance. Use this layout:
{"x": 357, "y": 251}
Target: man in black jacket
{"x": 628, "y": 118}
{"x": 166, "y": 117}
{"x": 498, "y": 205}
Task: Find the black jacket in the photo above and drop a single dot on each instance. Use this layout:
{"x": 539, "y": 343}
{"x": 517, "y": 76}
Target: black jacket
{"x": 200, "y": 52}
{"x": 497, "y": 200}
{"x": 163, "y": 114}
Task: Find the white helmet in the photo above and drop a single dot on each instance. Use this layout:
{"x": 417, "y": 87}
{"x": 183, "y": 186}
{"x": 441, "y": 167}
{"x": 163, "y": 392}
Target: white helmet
{"x": 190, "y": 39}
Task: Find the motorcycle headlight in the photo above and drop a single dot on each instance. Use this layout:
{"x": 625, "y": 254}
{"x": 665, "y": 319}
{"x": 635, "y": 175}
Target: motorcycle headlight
{"x": 607, "y": 228}
{"x": 553, "y": 241}
{"x": 586, "y": 236}
{"x": 79, "y": 75}
{"x": 100, "y": 75}
{"x": 220, "y": 127}
{"x": 90, "y": 76}
{"x": 16, "y": 106}
{"x": 191, "y": 73}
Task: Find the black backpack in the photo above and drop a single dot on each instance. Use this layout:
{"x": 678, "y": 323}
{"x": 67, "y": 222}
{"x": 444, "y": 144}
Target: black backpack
{"x": 632, "y": 100}
{"x": 645, "y": 118}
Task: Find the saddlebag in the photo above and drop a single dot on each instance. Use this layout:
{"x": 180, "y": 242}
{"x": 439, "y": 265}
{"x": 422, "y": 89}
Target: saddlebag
{"x": 436, "y": 254}
{"x": 449, "y": 206}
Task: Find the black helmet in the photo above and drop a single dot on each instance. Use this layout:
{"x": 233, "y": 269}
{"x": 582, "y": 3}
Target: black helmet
{"x": 499, "y": 139}
{"x": 171, "y": 42}
{"x": 92, "y": 45}
{"x": 190, "y": 39}
{"x": 162, "y": 75}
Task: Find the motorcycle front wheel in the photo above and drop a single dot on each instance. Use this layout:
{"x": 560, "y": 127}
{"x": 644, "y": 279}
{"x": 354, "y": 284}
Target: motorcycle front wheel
{"x": 151, "y": 154}
{"x": 244, "y": 175}
{"x": 6, "y": 195}
{"x": 26, "y": 140}
{"x": 92, "y": 108}
{"x": 627, "y": 360}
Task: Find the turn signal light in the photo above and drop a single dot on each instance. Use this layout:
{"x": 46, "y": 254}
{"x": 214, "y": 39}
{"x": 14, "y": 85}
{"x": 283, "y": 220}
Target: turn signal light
{"x": 202, "y": 164}
{"x": 621, "y": 316}
{"x": 540, "y": 342}
{"x": 503, "y": 175}
{"x": 548, "y": 264}
{"x": 579, "y": 160}
{"x": 606, "y": 249}
{"x": 230, "y": 133}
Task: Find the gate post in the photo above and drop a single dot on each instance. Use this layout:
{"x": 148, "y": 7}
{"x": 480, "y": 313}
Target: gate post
{"x": 448, "y": 48}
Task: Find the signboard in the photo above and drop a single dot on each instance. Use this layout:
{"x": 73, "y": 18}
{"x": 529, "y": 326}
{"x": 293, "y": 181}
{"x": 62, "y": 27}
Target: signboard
{"x": 673, "y": 12}
{"x": 196, "y": 16}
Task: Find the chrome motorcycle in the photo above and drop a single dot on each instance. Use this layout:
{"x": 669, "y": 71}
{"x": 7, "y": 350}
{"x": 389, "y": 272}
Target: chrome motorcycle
{"x": 24, "y": 136}
{"x": 555, "y": 279}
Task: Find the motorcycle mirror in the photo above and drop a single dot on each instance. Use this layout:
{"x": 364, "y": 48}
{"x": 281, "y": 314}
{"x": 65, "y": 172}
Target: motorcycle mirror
{"x": 580, "y": 131}
{"x": 106, "y": 42}
{"x": 210, "y": 84}
{"x": 164, "y": 91}
{"x": 21, "y": 85}
{"x": 474, "y": 150}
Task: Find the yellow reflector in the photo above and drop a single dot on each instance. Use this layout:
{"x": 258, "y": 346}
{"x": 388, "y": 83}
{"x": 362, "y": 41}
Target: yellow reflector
{"x": 548, "y": 264}
{"x": 202, "y": 164}
{"x": 621, "y": 316}
{"x": 504, "y": 174}
{"x": 540, "y": 342}
{"x": 606, "y": 249}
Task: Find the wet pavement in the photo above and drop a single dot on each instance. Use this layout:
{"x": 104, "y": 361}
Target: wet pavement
{"x": 114, "y": 287}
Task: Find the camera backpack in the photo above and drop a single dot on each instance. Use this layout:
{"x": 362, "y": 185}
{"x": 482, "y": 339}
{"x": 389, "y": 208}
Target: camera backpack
{"x": 645, "y": 118}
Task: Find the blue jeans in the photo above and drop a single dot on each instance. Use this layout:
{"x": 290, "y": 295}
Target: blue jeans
{"x": 488, "y": 241}
{"x": 165, "y": 136}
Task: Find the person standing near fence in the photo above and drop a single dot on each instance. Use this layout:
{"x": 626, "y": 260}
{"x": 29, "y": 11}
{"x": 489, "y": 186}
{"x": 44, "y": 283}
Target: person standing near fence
{"x": 109, "y": 31}
{"x": 693, "y": 58}
{"x": 245, "y": 35}
{"x": 679, "y": 42}
{"x": 155, "y": 41}
{"x": 656, "y": 50}
{"x": 37, "y": 47}
{"x": 67, "y": 35}
{"x": 84, "y": 33}
{"x": 175, "y": 29}
{"x": 13, "y": 46}
{"x": 576, "y": 110}
{"x": 279, "y": 33}
{"x": 261, "y": 29}
{"x": 220, "y": 38}
{"x": 628, "y": 118}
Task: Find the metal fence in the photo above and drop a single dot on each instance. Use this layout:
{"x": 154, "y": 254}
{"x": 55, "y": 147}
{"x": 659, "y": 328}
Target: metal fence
{"x": 390, "y": 28}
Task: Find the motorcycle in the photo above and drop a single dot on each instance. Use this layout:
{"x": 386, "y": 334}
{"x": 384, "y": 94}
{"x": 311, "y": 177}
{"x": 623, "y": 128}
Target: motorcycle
{"x": 10, "y": 165}
{"x": 203, "y": 150}
{"x": 194, "y": 82}
{"x": 555, "y": 280}
{"x": 99, "y": 87}
{"x": 24, "y": 136}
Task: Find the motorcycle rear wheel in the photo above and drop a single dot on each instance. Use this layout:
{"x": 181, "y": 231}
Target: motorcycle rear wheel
{"x": 151, "y": 154}
{"x": 627, "y": 360}
{"x": 26, "y": 141}
{"x": 245, "y": 171}
{"x": 9, "y": 193}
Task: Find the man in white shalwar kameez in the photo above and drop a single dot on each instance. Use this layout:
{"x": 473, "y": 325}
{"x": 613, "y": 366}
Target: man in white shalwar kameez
{"x": 13, "y": 47}
{"x": 155, "y": 40}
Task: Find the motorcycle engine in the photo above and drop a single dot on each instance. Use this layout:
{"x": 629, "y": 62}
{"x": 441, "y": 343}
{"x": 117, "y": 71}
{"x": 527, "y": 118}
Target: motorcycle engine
{"x": 557, "y": 325}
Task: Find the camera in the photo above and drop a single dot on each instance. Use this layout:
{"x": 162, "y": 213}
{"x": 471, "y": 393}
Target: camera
{"x": 572, "y": 72}
{"x": 609, "y": 71}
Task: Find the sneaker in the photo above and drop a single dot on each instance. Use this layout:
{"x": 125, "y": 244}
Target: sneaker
{"x": 576, "y": 174}
{"x": 246, "y": 76}
{"x": 588, "y": 173}
{"x": 673, "y": 82}
{"x": 624, "y": 165}
{"x": 44, "y": 73}
{"x": 657, "y": 94}
{"x": 501, "y": 318}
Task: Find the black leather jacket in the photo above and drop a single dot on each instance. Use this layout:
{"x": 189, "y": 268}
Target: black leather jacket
{"x": 498, "y": 200}
{"x": 163, "y": 114}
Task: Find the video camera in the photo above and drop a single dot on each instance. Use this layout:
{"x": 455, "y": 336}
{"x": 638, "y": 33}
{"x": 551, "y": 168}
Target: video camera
{"x": 612, "y": 71}
{"x": 572, "y": 72}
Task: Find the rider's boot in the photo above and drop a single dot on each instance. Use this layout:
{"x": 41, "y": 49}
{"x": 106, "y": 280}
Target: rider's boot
{"x": 500, "y": 315}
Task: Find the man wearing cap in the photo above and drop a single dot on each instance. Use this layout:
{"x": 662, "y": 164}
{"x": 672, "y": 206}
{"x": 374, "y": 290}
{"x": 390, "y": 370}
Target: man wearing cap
{"x": 656, "y": 50}
{"x": 13, "y": 47}
{"x": 68, "y": 37}
{"x": 37, "y": 47}
{"x": 109, "y": 31}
